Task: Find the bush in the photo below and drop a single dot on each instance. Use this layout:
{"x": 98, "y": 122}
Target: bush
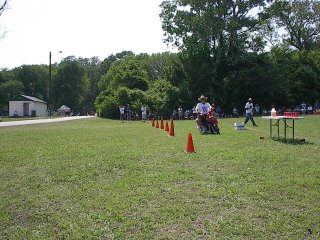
{"x": 107, "y": 102}
{"x": 107, "y": 105}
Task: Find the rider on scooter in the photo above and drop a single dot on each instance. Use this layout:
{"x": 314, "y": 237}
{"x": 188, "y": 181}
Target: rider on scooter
{"x": 202, "y": 109}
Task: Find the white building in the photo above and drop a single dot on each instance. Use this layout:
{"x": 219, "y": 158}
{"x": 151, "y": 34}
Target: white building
{"x": 27, "y": 106}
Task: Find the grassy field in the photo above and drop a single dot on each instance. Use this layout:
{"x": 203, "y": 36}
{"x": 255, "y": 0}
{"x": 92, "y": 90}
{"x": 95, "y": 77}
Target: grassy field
{"x": 12, "y": 119}
{"x": 102, "y": 179}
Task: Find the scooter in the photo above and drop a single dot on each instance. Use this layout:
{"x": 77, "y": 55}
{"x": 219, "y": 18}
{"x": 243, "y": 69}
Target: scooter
{"x": 209, "y": 123}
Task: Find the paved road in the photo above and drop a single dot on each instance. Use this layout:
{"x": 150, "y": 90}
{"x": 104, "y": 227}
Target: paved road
{"x": 26, "y": 122}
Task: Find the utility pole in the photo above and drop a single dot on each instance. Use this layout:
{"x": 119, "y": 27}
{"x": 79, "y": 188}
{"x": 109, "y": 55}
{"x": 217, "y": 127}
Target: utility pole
{"x": 49, "y": 90}
{"x": 50, "y": 84}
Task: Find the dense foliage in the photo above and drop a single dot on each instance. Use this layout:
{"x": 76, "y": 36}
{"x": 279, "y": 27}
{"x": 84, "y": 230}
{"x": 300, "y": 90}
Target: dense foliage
{"x": 229, "y": 51}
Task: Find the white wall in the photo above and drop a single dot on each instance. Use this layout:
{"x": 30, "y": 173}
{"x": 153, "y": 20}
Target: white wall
{"x": 16, "y": 106}
{"x": 41, "y": 108}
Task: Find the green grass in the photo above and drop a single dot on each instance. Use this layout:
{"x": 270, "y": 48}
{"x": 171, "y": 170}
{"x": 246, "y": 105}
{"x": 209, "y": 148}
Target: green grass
{"x": 102, "y": 179}
{"x": 11, "y": 119}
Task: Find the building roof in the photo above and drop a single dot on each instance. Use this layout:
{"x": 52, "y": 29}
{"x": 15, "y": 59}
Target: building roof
{"x": 28, "y": 98}
{"x": 63, "y": 108}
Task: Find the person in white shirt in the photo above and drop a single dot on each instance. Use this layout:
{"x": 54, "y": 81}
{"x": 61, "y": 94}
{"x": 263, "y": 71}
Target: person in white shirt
{"x": 121, "y": 109}
{"x": 143, "y": 113}
{"x": 249, "y": 116}
{"x": 194, "y": 112}
{"x": 257, "y": 109}
{"x": 202, "y": 109}
{"x": 235, "y": 112}
{"x": 180, "y": 113}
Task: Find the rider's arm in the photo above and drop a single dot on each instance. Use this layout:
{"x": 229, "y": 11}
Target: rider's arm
{"x": 197, "y": 110}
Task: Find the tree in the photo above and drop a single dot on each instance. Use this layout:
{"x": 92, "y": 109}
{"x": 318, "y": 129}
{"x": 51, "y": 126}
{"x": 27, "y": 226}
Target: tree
{"x": 107, "y": 104}
{"x": 203, "y": 75}
{"x": 163, "y": 97}
{"x": 95, "y": 70}
{"x": 126, "y": 72}
{"x": 105, "y": 65}
{"x": 156, "y": 64}
{"x": 211, "y": 35}
{"x": 108, "y": 101}
{"x": 299, "y": 21}
{"x": 124, "y": 83}
{"x": 165, "y": 66}
{"x": 91, "y": 66}
{"x": 9, "y": 88}
{"x": 297, "y": 76}
{"x": 3, "y": 6}
{"x": 215, "y": 27}
{"x": 34, "y": 79}
{"x": 250, "y": 76}
{"x": 70, "y": 85}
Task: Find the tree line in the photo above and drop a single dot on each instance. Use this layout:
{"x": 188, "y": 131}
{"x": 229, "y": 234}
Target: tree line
{"x": 228, "y": 51}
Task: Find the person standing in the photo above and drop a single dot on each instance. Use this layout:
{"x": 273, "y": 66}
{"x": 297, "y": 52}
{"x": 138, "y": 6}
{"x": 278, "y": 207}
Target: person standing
{"x": 235, "y": 112}
{"x": 174, "y": 114}
{"x": 257, "y": 109}
{"x": 219, "y": 111}
{"x": 194, "y": 112}
{"x": 310, "y": 109}
{"x": 180, "y": 113}
{"x": 143, "y": 113}
{"x": 129, "y": 112}
{"x": 249, "y": 116}
{"x": 121, "y": 109}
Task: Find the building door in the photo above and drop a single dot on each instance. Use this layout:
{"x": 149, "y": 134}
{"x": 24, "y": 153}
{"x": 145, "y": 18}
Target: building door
{"x": 25, "y": 109}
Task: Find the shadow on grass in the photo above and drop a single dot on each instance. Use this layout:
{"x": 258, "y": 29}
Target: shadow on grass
{"x": 301, "y": 141}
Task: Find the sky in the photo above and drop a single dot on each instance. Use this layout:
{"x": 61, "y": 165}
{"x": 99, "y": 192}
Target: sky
{"x": 80, "y": 28}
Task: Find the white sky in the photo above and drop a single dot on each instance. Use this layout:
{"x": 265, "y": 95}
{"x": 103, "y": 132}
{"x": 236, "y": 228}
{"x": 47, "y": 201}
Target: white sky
{"x": 83, "y": 28}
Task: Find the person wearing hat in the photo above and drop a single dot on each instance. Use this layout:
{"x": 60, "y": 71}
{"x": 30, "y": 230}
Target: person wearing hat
{"x": 202, "y": 109}
{"x": 249, "y": 116}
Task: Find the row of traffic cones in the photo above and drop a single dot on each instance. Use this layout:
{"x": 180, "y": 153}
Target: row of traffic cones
{"x": 190, "y": 146}
{"x": 166, "y": 128}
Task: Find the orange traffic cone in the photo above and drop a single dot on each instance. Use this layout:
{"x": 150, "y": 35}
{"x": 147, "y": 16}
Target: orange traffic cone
{"x": 157, "y": 124}
{"x": 190, "y": 147}
{"x": 161, "y": 124}
{"x": 167, "y": 127}
{"x": 152, "y": 122}
{"x": 171, "y": 132}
